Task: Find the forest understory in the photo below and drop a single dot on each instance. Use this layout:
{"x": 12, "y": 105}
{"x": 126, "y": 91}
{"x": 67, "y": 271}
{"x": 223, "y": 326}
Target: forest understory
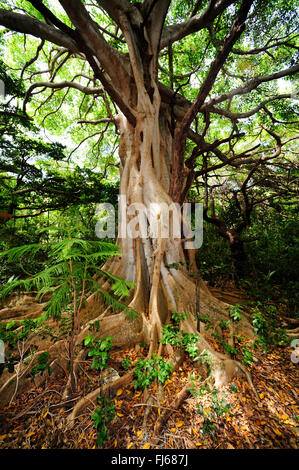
{"x": 149, "y": 224}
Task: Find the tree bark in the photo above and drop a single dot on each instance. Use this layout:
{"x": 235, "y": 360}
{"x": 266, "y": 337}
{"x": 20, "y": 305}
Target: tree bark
{"x": 161, "y": 268}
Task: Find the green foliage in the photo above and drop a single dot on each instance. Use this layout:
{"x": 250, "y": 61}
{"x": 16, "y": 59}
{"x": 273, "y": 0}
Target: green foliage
{"x": 126, "y": 363}
{"x": 175, "y": 265}
{"x": 179, "y": 317}
{"x": 247, "y": 357}
{"x": 69, "y": 274}
{"x": 218, "y": 408}
{"x": 171, "y": 334}
{"x": 270, "y": 271}
{"x": 149, "y": 369}
{"x": 233, "y": 388}
{"x": 225, "y": 324}
{"x": 205, "y": 319}
{"x": 102, "y": 415}
{"x": 228, "y": 348}
{"x": 235, "y": 312}
{"x": 99, "y": 350}
{"x": 188, "y": 342}
{"x": 13, "y": 85}
{"x": 205, "y": 357}
{"x": 265, "y": 326}
{"x": 14, "y": 331}
{"x": 208, "y": 427}
{"x": 196, "y": 388}
{"x": 259, "y": 323}
{"x": 71, "y": 266}
{"x": 36, "y": 178}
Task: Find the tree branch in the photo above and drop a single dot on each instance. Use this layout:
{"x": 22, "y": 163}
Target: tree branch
{"x": 182, "y": 130}
{"x": 28, "y": 25}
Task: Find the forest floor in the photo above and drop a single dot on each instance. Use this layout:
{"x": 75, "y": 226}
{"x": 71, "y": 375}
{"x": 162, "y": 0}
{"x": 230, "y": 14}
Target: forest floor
{"x": 230, "y": 418}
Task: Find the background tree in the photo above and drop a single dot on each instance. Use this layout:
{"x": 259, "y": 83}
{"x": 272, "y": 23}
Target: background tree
{"x": 35, "y": 175}
{"x": 269, "y": 179}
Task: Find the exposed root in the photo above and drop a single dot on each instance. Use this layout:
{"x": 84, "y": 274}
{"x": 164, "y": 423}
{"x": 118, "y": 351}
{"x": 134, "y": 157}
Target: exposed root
{"x": 22, "y": 312}
{"x": 184, "y": 393}
{"x": 292, "y": 321}
{"x": 176, "y": 360}
{"x": 21, "y": 380}
{"x": 149, "y": 403}
{"x": 293, "y": 333}
{"x": 125, "y": 332}
{"x": 222, "y": 367}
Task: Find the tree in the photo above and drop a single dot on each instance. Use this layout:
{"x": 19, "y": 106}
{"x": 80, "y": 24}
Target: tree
{"x": 270, "y": 179}
{"x": 35, "y": 176}
{"x": 133, "y": 59}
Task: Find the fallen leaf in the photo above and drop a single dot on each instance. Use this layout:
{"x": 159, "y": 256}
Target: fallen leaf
{"x": 179, "y": 424}
{"x": 146, "y": 446}
{"x": 119, "y": 392}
